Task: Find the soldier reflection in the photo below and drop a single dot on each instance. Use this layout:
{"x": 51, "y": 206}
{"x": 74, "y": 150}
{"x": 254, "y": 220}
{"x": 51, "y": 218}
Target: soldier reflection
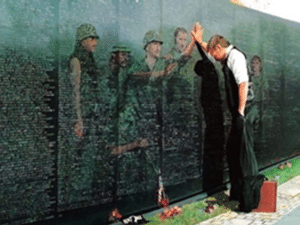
{"x": 84, "y": 77}
{"x": 177, "y": 110}
{"x": 153, "y": 65}
{"x": 119, "y": 64}
{"x": 139, "y": 118}
{"x": 256, "y": 66}
{"x": 83, "y": 71}
{"x": 257, "y": 88}
{"x": 142, "y": 89}
{"x": 257, "y": 94}
{"x": 180, "y": 48}
{"x": 179, "y": 54}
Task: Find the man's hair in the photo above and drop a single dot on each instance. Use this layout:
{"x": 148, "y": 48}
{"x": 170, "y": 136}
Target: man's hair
{"x": 215, "y": 40}
{"x": 179, "y": 29}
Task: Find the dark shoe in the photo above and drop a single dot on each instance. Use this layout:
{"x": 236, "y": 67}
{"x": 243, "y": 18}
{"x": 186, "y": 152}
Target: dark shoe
{"x": 233, "y": 196}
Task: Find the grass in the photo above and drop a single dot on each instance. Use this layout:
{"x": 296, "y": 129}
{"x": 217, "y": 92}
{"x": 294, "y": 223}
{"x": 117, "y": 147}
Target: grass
{"x": 286, "y": 174}
{"x": 193, "y": 213}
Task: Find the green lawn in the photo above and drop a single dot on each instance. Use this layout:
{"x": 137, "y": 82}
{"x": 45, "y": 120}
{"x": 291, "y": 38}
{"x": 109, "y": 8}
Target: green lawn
{"x": 286, "y": 174}
{"x": 193, "y": 213}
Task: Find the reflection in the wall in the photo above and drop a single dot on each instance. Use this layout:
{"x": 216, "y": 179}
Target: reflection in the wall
{"x": 90, "y": 116}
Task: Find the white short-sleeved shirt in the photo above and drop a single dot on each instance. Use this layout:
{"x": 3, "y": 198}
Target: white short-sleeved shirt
{"x": 237, "y": 63}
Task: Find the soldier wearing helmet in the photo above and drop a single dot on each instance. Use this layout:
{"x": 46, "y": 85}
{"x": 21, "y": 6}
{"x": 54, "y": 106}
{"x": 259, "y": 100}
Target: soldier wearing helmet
{"x": 152, "y": 45}
{"x": 119, "y": 63}
{"x": 143, "y": 85}
{"x": 87, "y": 37}
{"x": 87, "y": 93}
{"x": 83, "y": 70}
{"x": 153, "y": 65}
{"x": 136, "y": 89}
{"x": 151, "y": 36}
{"x": 119, "y": 58}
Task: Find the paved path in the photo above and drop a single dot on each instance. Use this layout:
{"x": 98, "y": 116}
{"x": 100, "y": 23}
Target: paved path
{"x": 292, "y": 218}
{"x": 288, "y": 209}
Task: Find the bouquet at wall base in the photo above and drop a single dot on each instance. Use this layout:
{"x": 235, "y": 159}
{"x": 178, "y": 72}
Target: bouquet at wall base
{"x": 163, "y": 201}
{"x": 170, "y": 212}
{"x": 210, "y": 208}
{"x": 114, "y": 216}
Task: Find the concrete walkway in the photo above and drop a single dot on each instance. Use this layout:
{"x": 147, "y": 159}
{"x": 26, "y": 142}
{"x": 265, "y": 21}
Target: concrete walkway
{"x": 292, "y": 218}
{"x": 288, "y": 210}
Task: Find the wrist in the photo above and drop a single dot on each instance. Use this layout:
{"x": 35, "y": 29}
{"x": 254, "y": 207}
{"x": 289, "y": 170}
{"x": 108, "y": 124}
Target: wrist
{"x": 241, "y": 113}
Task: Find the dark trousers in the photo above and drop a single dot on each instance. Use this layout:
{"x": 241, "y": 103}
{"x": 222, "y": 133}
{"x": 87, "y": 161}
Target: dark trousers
{"x": 233, "y": 153}
{"x": 240, "y": 152}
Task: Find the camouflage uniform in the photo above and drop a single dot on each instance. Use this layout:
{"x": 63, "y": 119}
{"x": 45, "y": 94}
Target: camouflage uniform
{"x": 87, "y": 158}
{"x": 180, "y": 58}
{"x": 143, "y": 94}
{"x": 259, "y": 86}
{"x": 177, "y": 82}
{"x": 119, "y": 75}
{"x": 119, "y": 120}
{"x": 139, "y": 120}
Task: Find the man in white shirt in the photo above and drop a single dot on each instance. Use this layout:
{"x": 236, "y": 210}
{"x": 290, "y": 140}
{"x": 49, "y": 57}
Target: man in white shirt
{"x": 236, "y": 85}
{"x": 234, "y": 61}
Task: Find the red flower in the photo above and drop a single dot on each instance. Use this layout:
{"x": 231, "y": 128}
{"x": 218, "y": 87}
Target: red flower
{"x": 170, "y": 213}
{"x": 164, "y": 202}
{"x": 115, "y": 214}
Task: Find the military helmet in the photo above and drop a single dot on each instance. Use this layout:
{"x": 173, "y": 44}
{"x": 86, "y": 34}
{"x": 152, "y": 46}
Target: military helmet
{"x": 151, "y": 36}
{"x": 120, "y": 48}
{"x": 84, "y": 31}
